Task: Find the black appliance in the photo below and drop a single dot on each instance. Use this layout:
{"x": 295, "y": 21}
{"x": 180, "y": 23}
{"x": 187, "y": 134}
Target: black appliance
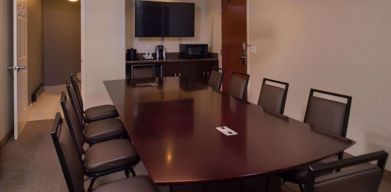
{"x": 160, "y": 52}
{"x": 188, "y": 51}
{"x": 131, "y": 54}
{"x": 164, "y": 19}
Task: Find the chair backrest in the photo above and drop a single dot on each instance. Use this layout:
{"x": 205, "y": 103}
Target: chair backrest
{"x": 75, "y": 128}
{"x": 76, "y": 89}
{"x": 141, "y": 71}
{"x": 354, "y": 174}
{"x": 327, "y": 113}
{"x": 273, "y": 95}
{"x": 71, "y": 91}
{"x": 238, "y": 85}
{"x": 215, "y": 79}
{"x": 68, "y": 155}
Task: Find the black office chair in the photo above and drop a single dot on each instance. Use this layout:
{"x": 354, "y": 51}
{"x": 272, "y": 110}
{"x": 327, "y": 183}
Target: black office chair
{"x": 324, "y": 113}
{"x": 327, "y": 114}
{"x": 94, "y": 113}
{"x": 95, "y": 131}
{"x": 355, "y": 174}
{"x": 100, "y": 158}
{"x": 215, "y": 79}
{"x": 273, "y": 95}
{"x": 73, "y": 170}
{"x": 238, "y": 86}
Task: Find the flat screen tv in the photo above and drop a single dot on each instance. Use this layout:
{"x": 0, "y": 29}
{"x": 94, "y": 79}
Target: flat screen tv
{"x": 148, "y": 19}
{"x": 164, "y": 19}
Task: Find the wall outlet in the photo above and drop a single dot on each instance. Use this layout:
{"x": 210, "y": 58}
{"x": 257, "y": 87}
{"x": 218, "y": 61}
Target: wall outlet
{"x": 253, "y": 49}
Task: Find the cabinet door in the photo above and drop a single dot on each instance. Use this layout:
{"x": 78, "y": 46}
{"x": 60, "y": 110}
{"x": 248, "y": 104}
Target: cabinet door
{"x": 170, "y": 69}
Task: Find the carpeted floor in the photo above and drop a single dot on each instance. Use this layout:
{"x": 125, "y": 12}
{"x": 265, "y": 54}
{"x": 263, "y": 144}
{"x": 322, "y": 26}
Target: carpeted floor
{"x": 31, "y": 164}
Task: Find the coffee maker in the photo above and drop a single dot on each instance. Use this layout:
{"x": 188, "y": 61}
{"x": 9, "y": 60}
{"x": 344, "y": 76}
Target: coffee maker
{"x": 160, "y": 52}
{"x": 131, "y": 54}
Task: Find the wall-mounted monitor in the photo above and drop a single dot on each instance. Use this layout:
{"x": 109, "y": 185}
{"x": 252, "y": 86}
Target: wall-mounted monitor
{"x": 164, "y": 19}
{"x": 148, "y": 19}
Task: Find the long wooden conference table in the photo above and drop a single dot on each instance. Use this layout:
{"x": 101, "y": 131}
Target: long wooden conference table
{"x": 173, "y": 127}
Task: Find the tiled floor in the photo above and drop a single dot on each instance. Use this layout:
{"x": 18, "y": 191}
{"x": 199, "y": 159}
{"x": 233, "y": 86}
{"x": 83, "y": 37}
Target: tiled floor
{"x": 31, "y": 164}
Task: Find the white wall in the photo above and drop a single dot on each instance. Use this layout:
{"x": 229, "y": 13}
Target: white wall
{"x": 207, "y": 28}
{"x": 103, "y": 47}
{"x": 6, "y": 60}
{"x": 341, "y": 46}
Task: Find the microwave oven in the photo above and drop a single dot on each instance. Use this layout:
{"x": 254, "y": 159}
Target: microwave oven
{"x": 189, "y": 51}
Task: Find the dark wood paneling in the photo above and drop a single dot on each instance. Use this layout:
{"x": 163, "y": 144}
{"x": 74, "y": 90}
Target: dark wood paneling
{"x": 234, "y": 34}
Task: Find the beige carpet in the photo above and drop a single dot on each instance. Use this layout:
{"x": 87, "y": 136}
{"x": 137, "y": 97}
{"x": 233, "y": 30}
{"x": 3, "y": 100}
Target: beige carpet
{"x": 30, "y": 164}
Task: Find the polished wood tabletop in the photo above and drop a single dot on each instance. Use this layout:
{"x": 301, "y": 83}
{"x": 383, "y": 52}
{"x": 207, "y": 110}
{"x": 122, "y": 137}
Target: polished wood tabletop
{"x": 173, "y": 127}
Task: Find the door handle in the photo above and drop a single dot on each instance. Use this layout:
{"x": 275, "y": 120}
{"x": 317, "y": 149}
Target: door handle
{"x": 243, "y": 55}
{"x": 17, "y": 68}
{"x": 244, "y": 51}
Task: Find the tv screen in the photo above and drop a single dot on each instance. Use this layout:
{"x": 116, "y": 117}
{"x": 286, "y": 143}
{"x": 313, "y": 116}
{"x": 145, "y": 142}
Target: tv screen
{"x": 178, "y": 19}
{"x": 164, "y": 19}
{"x": 148, "y": 19}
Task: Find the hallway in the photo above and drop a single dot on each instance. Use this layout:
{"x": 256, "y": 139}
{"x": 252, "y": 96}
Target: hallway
{"x": 47, "y": 104}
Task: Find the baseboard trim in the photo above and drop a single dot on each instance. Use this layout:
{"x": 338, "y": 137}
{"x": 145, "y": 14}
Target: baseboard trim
{"x": 38, "y": 91}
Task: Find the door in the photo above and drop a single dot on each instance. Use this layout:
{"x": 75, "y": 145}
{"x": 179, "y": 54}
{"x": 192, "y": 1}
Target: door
{"x": 20, "y": 65}
{"x": 234, "y": 38}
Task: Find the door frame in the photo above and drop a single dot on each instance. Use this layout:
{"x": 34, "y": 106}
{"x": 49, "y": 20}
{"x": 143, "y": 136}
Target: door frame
{"x": 82, "y": 46}
{"x": 15, "y": 61}
{"x": 248, "y": 38}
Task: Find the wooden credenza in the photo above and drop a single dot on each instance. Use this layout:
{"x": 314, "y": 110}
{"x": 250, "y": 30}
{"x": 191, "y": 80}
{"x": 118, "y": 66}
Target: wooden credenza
{"x": 173, "y": 65}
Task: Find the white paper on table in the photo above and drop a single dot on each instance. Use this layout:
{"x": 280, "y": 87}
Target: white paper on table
{"x": 226, "y": 131}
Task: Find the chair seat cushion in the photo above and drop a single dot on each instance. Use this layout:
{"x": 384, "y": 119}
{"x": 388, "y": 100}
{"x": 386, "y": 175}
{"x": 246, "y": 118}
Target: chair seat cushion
{"x": 102, "y": 130}
{"x": 100, "y": 112}
{"x": 135, "y": 184}
{"x": 110, "y": 155}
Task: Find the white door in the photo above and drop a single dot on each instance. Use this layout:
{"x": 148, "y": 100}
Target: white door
{"x": 20, "y": 65}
